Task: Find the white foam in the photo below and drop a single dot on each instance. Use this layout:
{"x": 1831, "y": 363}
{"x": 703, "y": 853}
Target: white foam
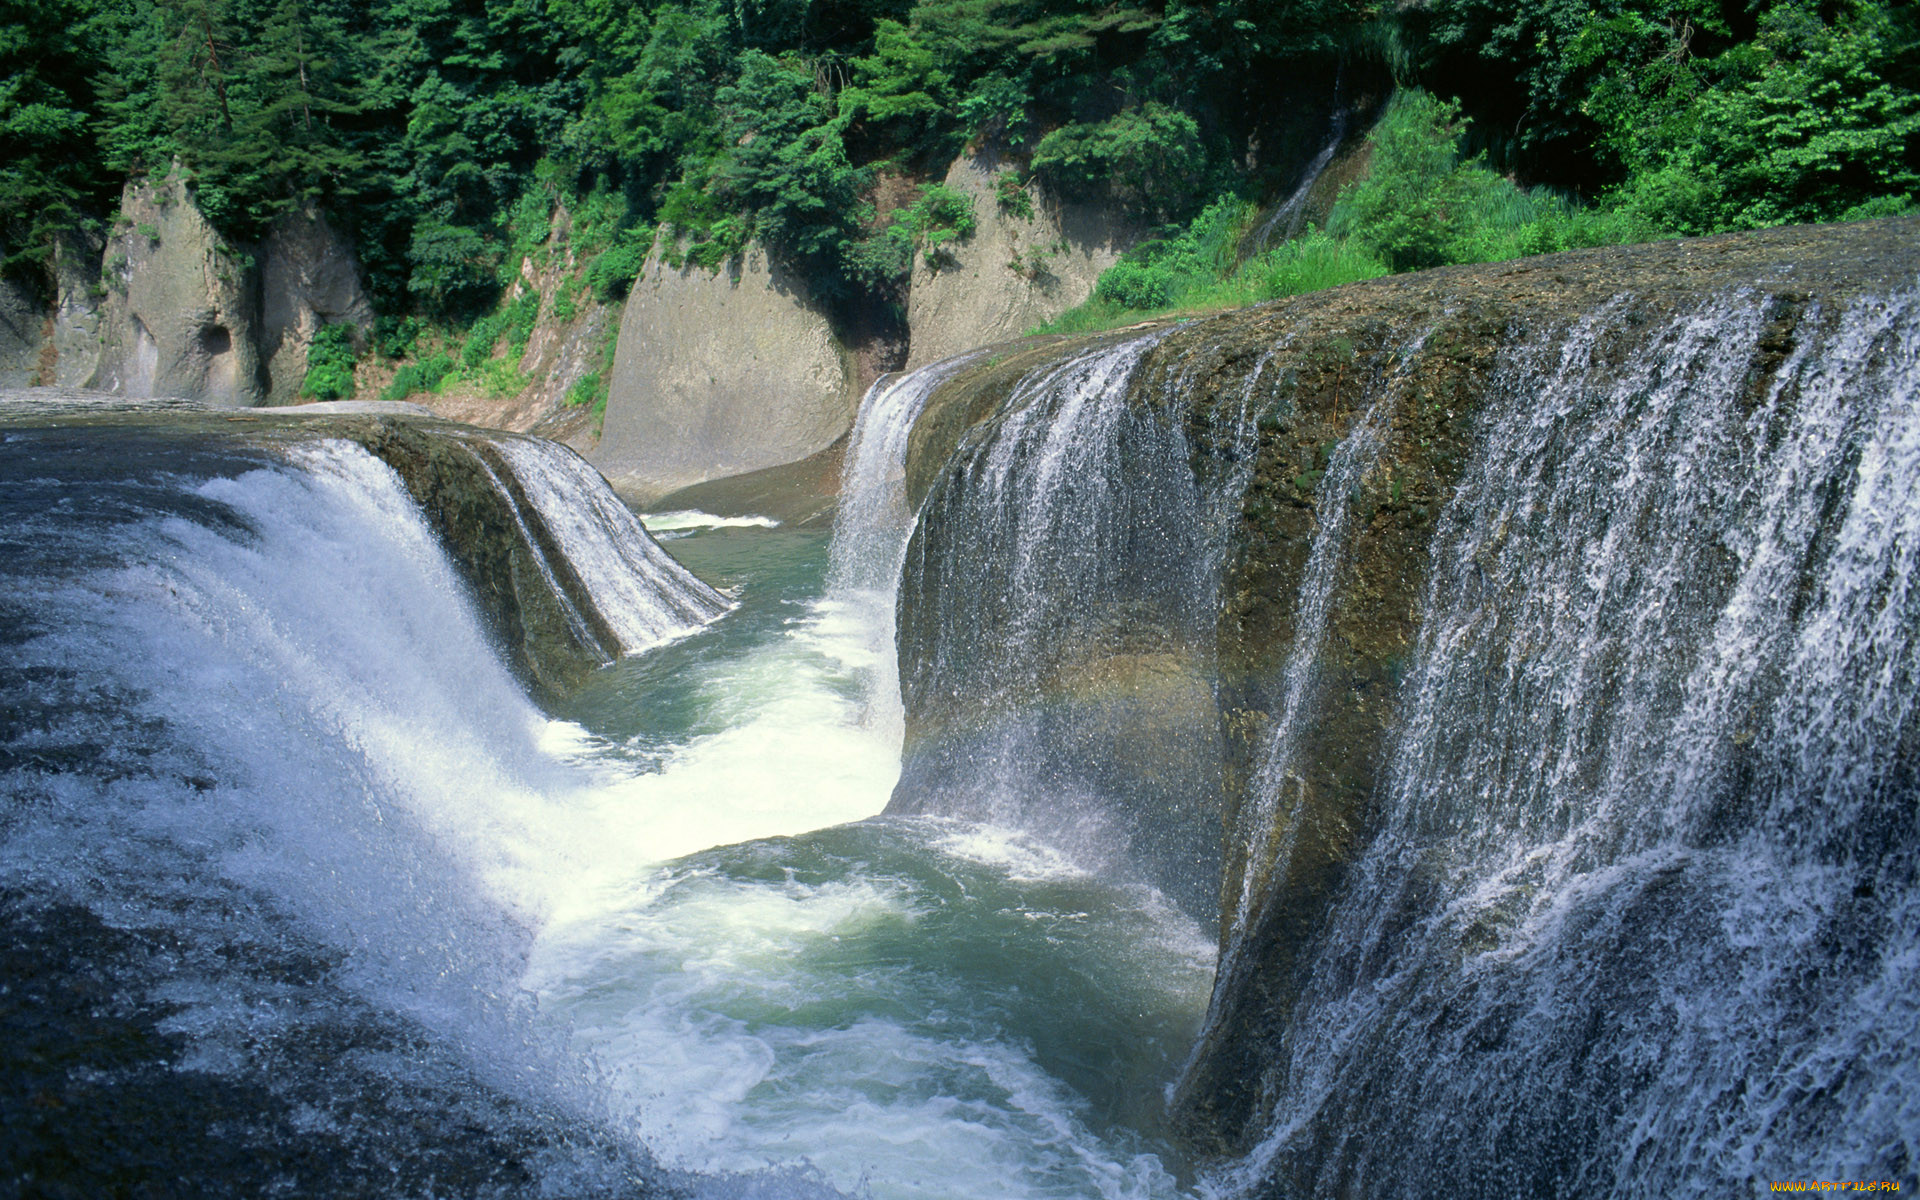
{"x": 686, "y": 520}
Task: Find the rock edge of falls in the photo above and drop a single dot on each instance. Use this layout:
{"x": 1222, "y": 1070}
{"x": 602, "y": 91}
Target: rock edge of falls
{"x": 1180, "y": 593}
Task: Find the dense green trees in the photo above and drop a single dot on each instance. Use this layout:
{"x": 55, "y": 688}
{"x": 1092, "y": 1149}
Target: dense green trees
{"x": 1702, "y": 114}
{"x": 445, "y": 131}
{"x": 53, "y": 184}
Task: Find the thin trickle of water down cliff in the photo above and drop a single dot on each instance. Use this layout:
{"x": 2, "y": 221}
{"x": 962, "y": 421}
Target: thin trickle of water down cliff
{"x": 1552, "y": 643}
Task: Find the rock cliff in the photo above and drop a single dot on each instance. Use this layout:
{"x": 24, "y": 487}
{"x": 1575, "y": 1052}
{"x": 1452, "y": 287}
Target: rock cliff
{"x": 171, "y": 308}
{"x": 718, "y": 374}
{"x": 308, "y": 278}
{"x": 181, "y": 316}
{"x": 1323, "y": 442}
{"x": 1031, "y": 258}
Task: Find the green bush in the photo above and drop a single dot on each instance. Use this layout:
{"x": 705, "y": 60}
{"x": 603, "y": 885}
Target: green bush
{"x": 521, "y": 316}
{"x": 1149, "y": 159}
{"x": 1012, "y": 195}
{"x": 566, "y": 305}
{"x": 585, "y": 389}
{"x": 482, "y": 337}
{"x": 423, "y": 376}
{"x": 1311, "y": 263}
{"x": 394, "y": 337}
{"x": 612, "y": 272}
{"x": 1161, "y": 274}
{"x": 1414, "y": 207}
{"x": 330, "y": 364}
{"x": 939, "y": 217}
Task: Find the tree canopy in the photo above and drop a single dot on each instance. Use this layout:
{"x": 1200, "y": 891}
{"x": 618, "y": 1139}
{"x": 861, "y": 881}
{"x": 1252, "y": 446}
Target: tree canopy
{"x": 439, "y": 129}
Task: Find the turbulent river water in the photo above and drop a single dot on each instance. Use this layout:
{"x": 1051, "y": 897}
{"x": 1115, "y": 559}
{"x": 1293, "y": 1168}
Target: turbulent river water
{"x": 303, "y": 895}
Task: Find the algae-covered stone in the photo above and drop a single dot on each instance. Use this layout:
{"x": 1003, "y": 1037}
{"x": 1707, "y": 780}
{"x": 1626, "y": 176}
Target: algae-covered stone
{"x": 718, "y": 374}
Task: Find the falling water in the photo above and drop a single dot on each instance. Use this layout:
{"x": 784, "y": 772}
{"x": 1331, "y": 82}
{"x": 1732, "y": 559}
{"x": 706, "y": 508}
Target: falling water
{"x": 1287, "y": 216}
{"x": 1641, "y": 911}
{"x": 643, "y": 594}
{"x": 873, "y": 522}
{"x": 1063, "y": 566}
{"x": 302, "y": 892}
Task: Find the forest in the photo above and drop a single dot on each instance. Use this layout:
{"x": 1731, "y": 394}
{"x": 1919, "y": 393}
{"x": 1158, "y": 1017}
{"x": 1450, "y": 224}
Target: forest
{"x": 443, "y": 133}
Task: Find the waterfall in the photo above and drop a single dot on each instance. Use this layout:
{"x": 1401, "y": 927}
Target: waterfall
{"x": 638, "y": 589}
{"x": 302, "y": 889}
{"x": 873, "y": 522}
{"x": 1286, "y": 217}
{"x": 267, "y": 786}
{"x": 1271, "y": 819}
{"x": 1640, "y": 910}
{"x": 1063, "y": 571}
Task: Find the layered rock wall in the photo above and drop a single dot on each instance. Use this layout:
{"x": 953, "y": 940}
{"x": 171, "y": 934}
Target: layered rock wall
{"x": 308, "y": 279}
{"x": 171, "y": 308}
{"x": 182, "y": 316}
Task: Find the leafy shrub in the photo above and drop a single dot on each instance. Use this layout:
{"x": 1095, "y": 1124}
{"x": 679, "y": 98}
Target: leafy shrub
{"x": 566, "y": 305}
{"x": 612, "y": 273}
{"x": 940, "y": 216}
{"x": 1311, "y": 263}
{"x": 481, "y": 339}
{"x": 330, "y": 364}
{"x": 423, "y": 376}
{"x": 1149, "y": 159}
{"x": 935, "y": 221}
{"x": 1412, "y": 209}
{"x": 394, "y": 337}
{"x": 584, "y": 390}
{"x": 1012, "y": 195}
{"x": 1164, "y": 273}
{"x": 521, "y": 316}
{"x": 1140, "y": 283}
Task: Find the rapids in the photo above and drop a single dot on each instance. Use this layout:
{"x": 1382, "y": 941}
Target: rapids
{"x": 295, "y": 844}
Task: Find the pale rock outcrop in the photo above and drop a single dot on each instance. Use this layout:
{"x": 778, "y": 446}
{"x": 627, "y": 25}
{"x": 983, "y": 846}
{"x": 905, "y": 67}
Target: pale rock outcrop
{"x": 718, "y": 374}
{"x": 181, "y": 316}
{"x": 308, "y": 278}
{"x": 57, "y": 345}
{"x": 22, "y": 320}
{"x": 1015, "y": 272}
{"x": 75, "y": 347}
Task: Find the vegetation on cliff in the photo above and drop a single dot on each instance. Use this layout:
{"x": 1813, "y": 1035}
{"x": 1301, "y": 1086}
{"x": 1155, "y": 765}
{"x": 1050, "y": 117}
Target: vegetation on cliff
{"x": 446, "y": 132}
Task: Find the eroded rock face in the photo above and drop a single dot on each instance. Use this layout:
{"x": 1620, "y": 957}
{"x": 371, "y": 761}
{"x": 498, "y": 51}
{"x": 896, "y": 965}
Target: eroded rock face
{"x": 1337, "y": 429}
{"x": 308, "y": 278}
{"x": 22, "y": 327}
{"x": 57, "y": 345}
{"x": 182, "y": 312}
{"x": 718, "y": 374}
{"x": 1017, "y": 271}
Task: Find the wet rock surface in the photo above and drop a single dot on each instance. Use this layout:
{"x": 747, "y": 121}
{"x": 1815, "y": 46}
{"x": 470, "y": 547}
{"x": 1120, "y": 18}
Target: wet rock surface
{"x": 1267, "y": 396}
